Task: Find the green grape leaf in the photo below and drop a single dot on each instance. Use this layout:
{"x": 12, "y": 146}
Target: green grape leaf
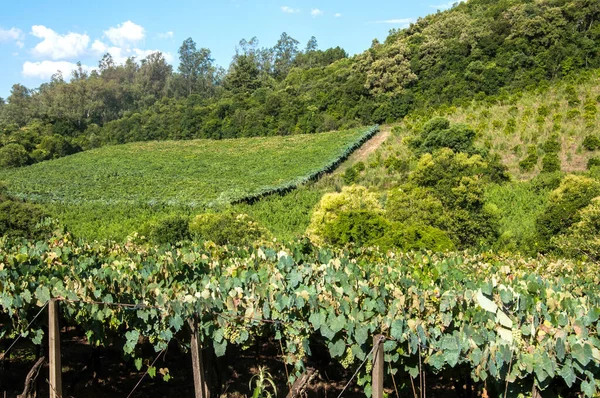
{"x": 588, "y": 388}
{"x": 138, "y": 363}
{"x": 361, "y": 334}
{"x": 396, "y": 329}
{"x": 42, "y": 293}
{"x": 220, "y": 347}
{"x": 152, "y": 371}
{"x": 568, "y": 374}
{"x": 337, "y": 349}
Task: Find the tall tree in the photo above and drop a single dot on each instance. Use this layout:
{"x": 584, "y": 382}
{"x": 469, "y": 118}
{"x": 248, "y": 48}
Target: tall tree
{"x": 196, "y": 68}
{"x": 285, "y": 51}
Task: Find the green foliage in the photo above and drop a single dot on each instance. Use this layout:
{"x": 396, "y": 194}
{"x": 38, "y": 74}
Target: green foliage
{"x": 13, "y": 155}
{"x": 227, "y": 228}
{"x": 552, "y": 144}
{"x": 582, "y": 239}
{"x": 573, "y": 194}
{"x": 438, "y": 133}
{"x": 415, "y": 237}
{"x": 350, "y": 175}
{"x": 593, "y": 162}
{"x": 519, "y": 204}
{"x": 20, "y": 219}
{"x": 415, "y": 205}
{"x": 126, "y": 185}
{"x": 358, "y": 227}
{"x": 550, "y": 162}
{"x": 468, "y": 309}
{"x": 332, "y": 205}
{"x": 171, "y": 230}
{"x": 531, "y": 160}
{"x": 591, "y": 143}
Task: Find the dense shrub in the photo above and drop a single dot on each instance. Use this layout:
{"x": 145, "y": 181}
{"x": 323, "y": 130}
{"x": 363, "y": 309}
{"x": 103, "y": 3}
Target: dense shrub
{"x": 582, "y": 239}
{"x": 171, "y": 229}
{"x": 21, "y": 219}
{"x": 593, "y": 162}
{"x": 552, "y": 144}
{"x": 350, "y": 175}
{"x": 13, "y": 155}
{"x": 415, "y": 237}
{"x": 574, "y": 193}
{"x": 360, "y": 227}
{"x": 550, "y": 163}
{"x": 591, "y": 142}
{"x": 546, "y": 181}
{"x": 227, "y": 228}
{"x": 530, "y": 161}
{"x": 352, "y": 198}
{"x": 438, "y": 133}
{"x": 415, "y": 205}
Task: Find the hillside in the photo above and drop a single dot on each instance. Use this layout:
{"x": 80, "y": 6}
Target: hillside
{"x": 115, "y": 188}
{"x": 477, "y": 49}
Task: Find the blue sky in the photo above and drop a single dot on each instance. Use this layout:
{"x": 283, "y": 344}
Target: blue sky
{"x": 39, "y": 37}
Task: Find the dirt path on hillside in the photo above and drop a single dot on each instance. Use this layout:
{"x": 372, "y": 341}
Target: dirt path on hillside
{"x": 362, "y": 154}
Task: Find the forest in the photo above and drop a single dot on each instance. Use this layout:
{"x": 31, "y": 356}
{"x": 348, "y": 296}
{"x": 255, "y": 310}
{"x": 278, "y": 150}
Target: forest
{"x": 435, "y": 197}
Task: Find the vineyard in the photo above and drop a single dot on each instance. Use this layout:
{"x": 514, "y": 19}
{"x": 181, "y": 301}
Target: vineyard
{"x": 508, "y": 323}
{"x": 111, "y": 191}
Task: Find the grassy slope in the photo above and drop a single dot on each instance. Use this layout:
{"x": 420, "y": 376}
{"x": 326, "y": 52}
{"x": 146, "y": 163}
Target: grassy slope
{"x": 519, "y": 201}
{"x": 111, "y": 191}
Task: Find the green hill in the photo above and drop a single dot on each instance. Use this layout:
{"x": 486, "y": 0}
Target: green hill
{"x": 110, "y": 191}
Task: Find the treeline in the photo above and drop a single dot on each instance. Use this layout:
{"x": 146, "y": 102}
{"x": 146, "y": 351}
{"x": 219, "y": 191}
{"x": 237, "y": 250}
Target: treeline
{"x": 478, "y": 49}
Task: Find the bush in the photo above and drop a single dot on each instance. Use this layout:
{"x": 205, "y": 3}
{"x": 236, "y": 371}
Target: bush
{"x": 415, "y": 205}
{"x": 546, "y": 181}
{"x": 13, "y": 155}
{"x": 171, "y": 230}
{"x": 591, "y": 143}
{"x": 552, "y": 144}
{"x": 20, "y": 219}
{"x": 350, "y": 176}
{"x": 359, "y": 227}
{"x": 573, "y": 194}
{"x": 582, "y": 239}
{"x": 531, "y": 160}
{"x": 550, "y": 163}
{"x": 438, "y": 133}
{"x": 228, "y": 228}
{"x": 330, "y": 207}
{"x": 415, "y": 237}
{"x": 593, "y": 162}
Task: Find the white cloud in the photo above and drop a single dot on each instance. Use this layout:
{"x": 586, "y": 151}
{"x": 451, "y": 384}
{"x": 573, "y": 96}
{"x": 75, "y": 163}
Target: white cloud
{"x": 446, "y": 6}
{"x": 405, "y": 22}
{"x": 290, "y": 10}
{"x": 126, "y": 34}
{"x": 337, "y": 15}
{"x": 166, "y": 35}
{"x": 120, "y": 54}
{"x": 12, "y": 34}
{"x": 316, "y": 12}
{"x": 45, "y": 69}
{"x": 58, "y": 46}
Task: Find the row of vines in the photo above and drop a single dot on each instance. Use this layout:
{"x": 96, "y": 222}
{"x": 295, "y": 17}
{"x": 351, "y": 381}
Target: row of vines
{"x": 510, "y": 322}
{"x": 313, "y": 175}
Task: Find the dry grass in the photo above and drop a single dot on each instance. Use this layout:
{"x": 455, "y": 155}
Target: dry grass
{"x": 509, "y": 126}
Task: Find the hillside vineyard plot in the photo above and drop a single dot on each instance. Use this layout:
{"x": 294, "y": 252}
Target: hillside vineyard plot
{"x": 110, "y": 191}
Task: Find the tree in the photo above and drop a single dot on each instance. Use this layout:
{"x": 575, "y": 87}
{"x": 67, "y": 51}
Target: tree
{"x": 285, "y": 51}
{"x": 153, "y": 75}
{"x": 196, "y": 68}
{"x": 312, "y": 45}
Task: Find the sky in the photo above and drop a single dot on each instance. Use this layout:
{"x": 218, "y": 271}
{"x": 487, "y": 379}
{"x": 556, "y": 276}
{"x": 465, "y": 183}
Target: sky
{"x": 40, "y": 37}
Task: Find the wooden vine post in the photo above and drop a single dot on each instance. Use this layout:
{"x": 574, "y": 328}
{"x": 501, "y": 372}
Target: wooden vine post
{"x": 54, "y": 350}
{"x": 377, "y": 376}
{"x": 200, "y": 384}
